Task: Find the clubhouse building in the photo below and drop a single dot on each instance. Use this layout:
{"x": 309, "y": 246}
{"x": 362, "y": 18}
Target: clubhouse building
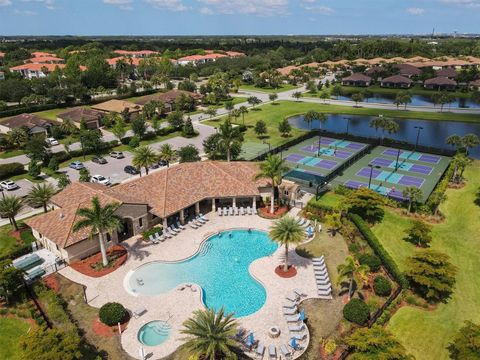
{"x": 164, "y": 197}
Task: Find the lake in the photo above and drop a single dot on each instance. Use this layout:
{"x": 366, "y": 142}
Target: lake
{"x": 433, "y": 134}
{"x": 417, "y": 100}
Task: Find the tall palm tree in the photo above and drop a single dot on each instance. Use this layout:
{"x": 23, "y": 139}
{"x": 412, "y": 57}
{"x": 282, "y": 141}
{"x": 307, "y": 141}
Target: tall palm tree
{"x": 385, "y": 124}
{"x": 10, "y": 206}
{"x": 211, "y": 335}
{"x": 273, "y": 169}
{"x": 100, "y": 219}
{"x": 470, "y": 141}
{"x": 67, "y": 126}
{"x": 229, "y": 136}
{"x": 40, "y": 195}
{"x": 287, "y": 231}
{"x": 454, "y": 140}
{"x": 413, "y": 194}
{"x": 351, "y": 271}
{"x": 311, "y": 116}
{"x": 167, "y": 153}
{"x": 145, "y": 157}
{"x": 243, "y": 110}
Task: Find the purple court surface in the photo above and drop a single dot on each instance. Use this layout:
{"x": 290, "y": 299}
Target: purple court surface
{"x": 294, "y": 157}
{"x": 421, "y": 169}
{"x": 411, "y": 181}
{"x": 396, "y": 194}
{"x": 430, "y": 158}
{"x": 326, "y": 164}
{"x": 381, "y": 162}
{"x": 365, "y": 172}
{"x": 352, "y": 184}
{"x": 355, "y": 146}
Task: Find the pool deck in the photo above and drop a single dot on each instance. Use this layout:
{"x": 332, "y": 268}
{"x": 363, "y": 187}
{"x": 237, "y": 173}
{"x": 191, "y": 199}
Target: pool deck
{"x": 177, "y": 305}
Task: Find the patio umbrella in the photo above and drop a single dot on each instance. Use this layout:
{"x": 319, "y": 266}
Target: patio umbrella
{"x": 293, "y": 343}
{"x": 250, "y": 339}
{"x": 302, "y": 315}
{"x": 309, "y": 231}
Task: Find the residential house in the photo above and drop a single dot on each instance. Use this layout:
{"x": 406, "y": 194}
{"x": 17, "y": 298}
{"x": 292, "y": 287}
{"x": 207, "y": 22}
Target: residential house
{"x": 168, "y": 98}
{"x": 440, "y": 83}
{"x": 31, "y": 71}
{"x": 2, "y": 75}
{"x": 2, "y": 57}
{"x": 357, "y": 80}
{"x": 45, "y": 60}
{"x": 118, "y": 106}
{"x": 407, "y": 70}
{"x": 200, "y": 59}
{"x": 475, "y": 85}
{"x": 32, "y": 123}
{"x": 37, "y": 54}
{"x": 449, "y": 73}
{"x": 136, "y": 54}
{"x": 92, "y": 118}
{"x": 396, "y": 81}
{"x": 165, "y": 197}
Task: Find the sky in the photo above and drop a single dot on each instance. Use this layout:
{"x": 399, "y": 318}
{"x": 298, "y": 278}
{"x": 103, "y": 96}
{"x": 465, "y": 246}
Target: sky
{"x": 237, "y": 17}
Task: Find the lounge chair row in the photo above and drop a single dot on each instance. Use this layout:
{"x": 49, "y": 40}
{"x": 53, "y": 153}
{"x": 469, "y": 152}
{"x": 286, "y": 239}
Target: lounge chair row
{"x": 324, "y": 286}
{"x": 286, "y": 350}
{"x": 198, "y": 221}
{"x": 237, "y": 211}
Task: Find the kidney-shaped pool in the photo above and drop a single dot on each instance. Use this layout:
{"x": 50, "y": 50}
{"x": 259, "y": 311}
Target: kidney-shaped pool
{"x": 220, "y": 267}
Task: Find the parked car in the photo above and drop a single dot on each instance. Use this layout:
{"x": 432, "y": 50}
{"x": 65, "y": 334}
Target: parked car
{"x": 77, "y": 165}
{"x": 52, "y": 141}
{"x": 100, "y": 179}
{"x": 132, "y": 170}
{"x": 162, "y": 163}
{"x": 99, "y": 160}
{"x": 8, "y": 185}
{"x": 117, "y": 154}
{"x": 154, "y": 166}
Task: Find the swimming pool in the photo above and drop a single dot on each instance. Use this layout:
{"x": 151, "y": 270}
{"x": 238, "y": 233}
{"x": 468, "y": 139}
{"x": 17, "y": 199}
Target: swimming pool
{"x": 220, "y": 268}
{"x": 154, "y": 333}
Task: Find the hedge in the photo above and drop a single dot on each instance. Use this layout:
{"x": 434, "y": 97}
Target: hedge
{"x": 379, "y": 250}
{"x": 372, "y": 261}
{"x": 11, "y": 169}
{"x": 17, "y": 252}
{"x": 356, "y": 311}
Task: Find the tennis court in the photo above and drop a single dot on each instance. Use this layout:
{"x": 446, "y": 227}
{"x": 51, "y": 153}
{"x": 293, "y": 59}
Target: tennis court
{"x": 393, "y": 170}
{"x": 313, "y": 163}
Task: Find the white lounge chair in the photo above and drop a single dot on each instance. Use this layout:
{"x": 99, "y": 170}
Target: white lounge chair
{"x": 242, "y": 210}
{"x": 291, "y": 297}
{"x": 299, "y": 292}
{"x": 260, "y": 349}
{"x": 296, "y": 328}
{"x": 301, "y": 221}
{"x": 139, "y": 312}
{"x": 200, "y": 220}
{"x": 225, "y": 211}
{"x": 325, "y": 293}
{"x": 180, "y": 226}
{"x": 290, "y": 305}
{"x": 159, "y": 237}
{"x": 235, "y": 211}
{"x": 192, "y": 225}
{"x": 272, "y": 352}
{"x": 254, "y": 210}
{"x": 298, "y": 336}
{"x": 293, "y": 318}
{"x": 249, "y": 211}
{"x": 320, "y": 277}
{"x": 289, "y": 311}
{"x": 323, "y": 288}
{"x": 219, "y": 211}
{"x": 306, "y": 224}
{"x": 231, "y": 211}
{"x": 203, "y": 217}
{"x": 152, "y": 239}
{"x": 286, "y": 353}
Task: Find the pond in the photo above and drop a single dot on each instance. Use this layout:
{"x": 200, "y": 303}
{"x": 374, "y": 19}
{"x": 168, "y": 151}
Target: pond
{"x": 434, "y": 133}
{"x": 417, "y": 100}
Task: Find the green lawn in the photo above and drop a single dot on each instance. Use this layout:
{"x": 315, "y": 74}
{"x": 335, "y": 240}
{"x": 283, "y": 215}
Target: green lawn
{"x": 11, "y": 329}
{"x": 51, "y": 114}
{"x": 11, "y": 153}
{"x": 235, "y": 100}
{"x": 426, "y": 333}
{"x": 329, "y": 199}
{"x": 269, "y": 90}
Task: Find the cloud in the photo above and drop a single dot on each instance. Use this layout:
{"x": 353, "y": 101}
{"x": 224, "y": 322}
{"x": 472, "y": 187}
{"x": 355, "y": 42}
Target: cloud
{"x": 415, "y": 11}
{"x": 24, "y": 12}
{"x": 122, "y": 4}
{"x": 313, "y": 6}
{"x": 248, "y": 7}
{"x": 172, "y": 5}
{"x": 49, "y": 4}
{"x": 464, "y": 3}
{"x": 5, "y": 2}
{"x": 206, "y": 11}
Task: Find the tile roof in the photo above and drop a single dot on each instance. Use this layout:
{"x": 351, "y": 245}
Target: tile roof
{"x": 117, "y": 106}
{"x": 408, "y": 69}
{"x": 475, "y": 83}
{"x": 79, "y": 113}
{"x": 25, "y": 120}
{"x": 2, "y": 54}
{"x": 201, "y": 57}
{"x": 135, "y": 53}
{"x": 357, "y": 77}
{"x": 165, "y": 192}
{"x": 128, "y": 60}
{"x": 168, "y": 97}
{"x": 440, "y": 80}
{"x": 397, "y": 79}
{"x": 447, "y": 72}
{"x": 37, "y": 67}
{"x": 44, "y": 59}
{"x": 41, "y": 53}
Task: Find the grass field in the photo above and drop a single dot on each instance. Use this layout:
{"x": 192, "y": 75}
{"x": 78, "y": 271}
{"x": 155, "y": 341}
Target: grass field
{"x": 426, "y": 333}
{"x": 11, "y": 329}
{"x": 8, "y": 243}
{"x": 269, "y": 90}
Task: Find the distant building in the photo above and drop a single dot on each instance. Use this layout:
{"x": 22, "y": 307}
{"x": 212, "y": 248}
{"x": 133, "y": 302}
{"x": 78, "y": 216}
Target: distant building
{"x": 199, "y": 59}
{"x": 32, "y": 123}
{"x": 407, "y": 70}
{"x": 37, "y": 54}
{"x": 32, "y": 71}
{"x": 396, "y": 81}
{"x": 45, "y": 60}
{"x": 168, "y": 98}
{"x": 357, "y": 80}
{"x": 440, "y": 83}
{"x": 2, "y": 75}
{"x": 91, "y": 117}
{"x": 475, "y": 85}
{"x": 118, "y": 106}
{"x": 136, "y": 54}
{"x": 447, "y": 72}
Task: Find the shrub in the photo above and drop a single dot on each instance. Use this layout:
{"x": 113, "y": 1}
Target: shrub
{"x": 11, "y": 169}
{"x": 372, "y": 261}
{"x": 356, "y": 311}
{"x": 134, "y": 142}
{"x": 112, "y": 313}
{"x": 382, "y": 286}
{"x": 379, "y": 250}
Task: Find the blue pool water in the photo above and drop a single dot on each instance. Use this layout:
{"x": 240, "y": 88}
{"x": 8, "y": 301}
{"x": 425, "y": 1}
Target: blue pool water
{"x": 220, "y": 268}
{"x": 154, "y": 333}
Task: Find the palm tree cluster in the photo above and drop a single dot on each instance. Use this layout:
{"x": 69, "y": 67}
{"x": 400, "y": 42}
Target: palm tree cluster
{"x": 385, "y": 124}
{"x": 466, "y": 142}
{"x": 145, "y": 157}
{"x": 273, "y": 169}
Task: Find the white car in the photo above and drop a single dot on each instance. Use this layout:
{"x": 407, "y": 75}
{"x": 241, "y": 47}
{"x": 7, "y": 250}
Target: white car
{"x": 100, "y": 179}
{"x": 8, "y": 185}
{"x": 52, "y": 141}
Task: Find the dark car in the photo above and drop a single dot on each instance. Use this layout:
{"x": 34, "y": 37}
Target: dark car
{"x": 99, "y": 160}
{"x": 129, "y": 169}
{"x": 154, "y": 166}
{"x": 162, "y": 163}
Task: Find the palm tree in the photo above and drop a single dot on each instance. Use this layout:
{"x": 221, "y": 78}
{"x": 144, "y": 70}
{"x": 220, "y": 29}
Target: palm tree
{"x": 145, "y": 157}
{"x": 351, "y": 271}
{"x": 211, "y": 335}
{"x": 413, "y": 194}
{"x": 40, "y": 195}
{"x": 10, "y": 206}
{"x": 67, "y": 126}
{"x": 243, "y": 110}
{"x": 229, "y": 136}
{"x": 99, "y": 219}
{"x": 470, "y": 141}
{"x": 313, "y": 115}
{"x": 167, "y": 153}
{"x": 17, "y": 137}
{"x": 286, "y": 231}
{"x": 454, "y": 140}
{"x": 272, "y": 168}
{"x": 385, "y": 124}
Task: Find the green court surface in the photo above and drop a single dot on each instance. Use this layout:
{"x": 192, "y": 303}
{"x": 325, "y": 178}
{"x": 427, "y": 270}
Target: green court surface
{"x": 390, "y": 177}
{"x": 251, "y": 150}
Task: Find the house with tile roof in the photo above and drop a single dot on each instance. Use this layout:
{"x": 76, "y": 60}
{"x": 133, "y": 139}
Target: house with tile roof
{"x": 91, "y": 117}
{"x": 32, "y": 123}
{"x": 171, "y": 195}
{"x": 168, "y": 98}
{"x": 118, "y": 106}
{"x": 396, "y": 81}
{"x": 440, "y": 83}
{"x": 357, "y": 80}
{"x": 136, "y": 54}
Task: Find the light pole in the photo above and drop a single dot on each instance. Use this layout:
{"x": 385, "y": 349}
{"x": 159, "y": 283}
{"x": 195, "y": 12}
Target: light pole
{"x": 319, "y": 143}
{"x": 371, "y": 166}
{"x": 398, "y": 156}
{"x": 419, "y": 128}
{"x": 348, "y": 123}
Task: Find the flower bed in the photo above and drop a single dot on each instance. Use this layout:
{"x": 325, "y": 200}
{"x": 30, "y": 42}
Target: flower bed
{"x": 286, "y": 274}
{"x": 103, "y": 330}
{"x": 278, "y": 212}
{"x": 92, "y": 266}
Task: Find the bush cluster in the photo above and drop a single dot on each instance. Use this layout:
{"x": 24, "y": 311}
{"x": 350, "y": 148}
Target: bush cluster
{"x": 357, "y": 311}
{"x": 12, "y": 169}
{"x": 372, "y": 261}
{"x": 379, "y": 250}
{"x": 382, "y": 286}
{"x": 112, "y": 313}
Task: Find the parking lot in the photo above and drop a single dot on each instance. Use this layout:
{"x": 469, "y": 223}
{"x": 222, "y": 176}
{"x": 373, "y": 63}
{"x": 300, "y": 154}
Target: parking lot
{"x": 24, "y": 187}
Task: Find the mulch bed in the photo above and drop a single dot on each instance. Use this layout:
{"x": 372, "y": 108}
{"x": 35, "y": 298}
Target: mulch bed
{"x": 52, "y": 282}
{"x": 103, "y": 330}
{"x": 86, "y": 266}
{"x": 278, "y": 212}
{"x": 289, "y": 274}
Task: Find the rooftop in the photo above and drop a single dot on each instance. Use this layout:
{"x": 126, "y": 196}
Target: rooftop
{"x": 397, "y": 79}
{"x": 79, "y": 113}
{"x": 25, "y": 120}
{"x": 440, "y": 80}
{"x": 117, "y": 106}
{"x": 357, "y": 77}
{"x": 168, "y": 97}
